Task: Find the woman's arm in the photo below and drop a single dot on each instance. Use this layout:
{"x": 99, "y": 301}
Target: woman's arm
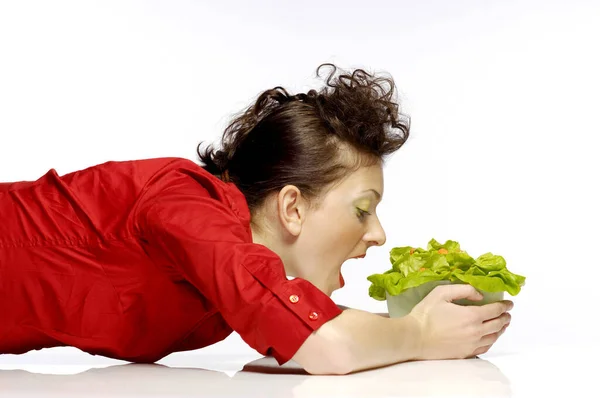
{"x": 435, "y": 329}
{"x": 357, "y": 340}
{"x": 383, "y": 314}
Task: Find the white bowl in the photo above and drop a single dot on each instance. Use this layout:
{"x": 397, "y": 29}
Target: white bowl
{"x": 402, "y": 304}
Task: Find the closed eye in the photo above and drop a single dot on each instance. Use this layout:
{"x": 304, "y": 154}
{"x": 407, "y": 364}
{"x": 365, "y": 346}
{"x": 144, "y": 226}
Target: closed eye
{"x": 361, "y": 214}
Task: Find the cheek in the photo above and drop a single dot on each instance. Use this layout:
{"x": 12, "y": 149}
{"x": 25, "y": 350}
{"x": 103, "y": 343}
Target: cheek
{"x": 337, "y": 234}
{"x": 327, "y": 242}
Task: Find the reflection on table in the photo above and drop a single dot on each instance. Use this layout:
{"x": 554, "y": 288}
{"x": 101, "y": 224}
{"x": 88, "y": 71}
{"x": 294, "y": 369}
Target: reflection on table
{"x": 264, "y": 378}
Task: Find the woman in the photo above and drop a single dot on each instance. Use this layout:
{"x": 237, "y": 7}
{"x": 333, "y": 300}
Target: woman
{"x": 138, "y": 259}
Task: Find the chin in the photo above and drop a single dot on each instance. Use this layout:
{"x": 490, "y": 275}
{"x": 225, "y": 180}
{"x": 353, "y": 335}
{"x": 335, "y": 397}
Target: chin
{"x": 328, "y": 290}
{"x": 333, "y": 288}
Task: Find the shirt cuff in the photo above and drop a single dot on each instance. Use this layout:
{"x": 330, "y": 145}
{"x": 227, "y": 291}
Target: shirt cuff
{"x": 297, "y": 309}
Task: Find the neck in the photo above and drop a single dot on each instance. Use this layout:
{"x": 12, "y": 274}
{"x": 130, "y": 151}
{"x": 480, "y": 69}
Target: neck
{"x": 261, "y": 237}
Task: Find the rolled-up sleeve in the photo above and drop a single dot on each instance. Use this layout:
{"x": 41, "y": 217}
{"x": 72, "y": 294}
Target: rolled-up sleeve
{"x": 205, "y": 242}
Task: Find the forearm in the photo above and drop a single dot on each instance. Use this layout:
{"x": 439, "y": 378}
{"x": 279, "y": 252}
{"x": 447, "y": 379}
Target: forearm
{"x": 366, "y": 340}
{"x": 383, "y": 314}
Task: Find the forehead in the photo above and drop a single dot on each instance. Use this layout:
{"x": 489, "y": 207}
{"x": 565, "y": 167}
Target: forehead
{"x": 364, "y": 178}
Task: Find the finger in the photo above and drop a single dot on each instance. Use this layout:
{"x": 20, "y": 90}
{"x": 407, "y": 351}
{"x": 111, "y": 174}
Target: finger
{"x": 450, "y": 293}
{"x": 494, "y": 310}
{"x": 482, "y": 350}
{"x": 496, "y": 324}
{"x": 492, "y": 338}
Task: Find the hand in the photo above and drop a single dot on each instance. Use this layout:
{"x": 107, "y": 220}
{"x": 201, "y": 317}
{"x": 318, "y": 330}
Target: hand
{"x": 451, "y": 331}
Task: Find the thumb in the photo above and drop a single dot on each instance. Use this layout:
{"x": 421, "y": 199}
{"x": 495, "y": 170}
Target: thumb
{"x": 460, "y": 291}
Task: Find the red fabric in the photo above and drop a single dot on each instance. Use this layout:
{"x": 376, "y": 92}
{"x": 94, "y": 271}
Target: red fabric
{"x": 138, "y": 259}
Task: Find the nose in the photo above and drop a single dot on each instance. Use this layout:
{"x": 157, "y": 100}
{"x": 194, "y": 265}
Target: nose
{"x": 376, "y": 234}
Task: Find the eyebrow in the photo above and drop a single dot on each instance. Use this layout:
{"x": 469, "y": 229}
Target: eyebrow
{"x": 377, "y": 194}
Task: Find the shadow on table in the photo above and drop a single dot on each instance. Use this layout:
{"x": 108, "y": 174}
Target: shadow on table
{"x": 264, "y": 378}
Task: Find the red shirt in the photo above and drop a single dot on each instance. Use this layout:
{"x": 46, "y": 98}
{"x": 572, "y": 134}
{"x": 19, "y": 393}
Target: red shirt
{"x": 137, "y": 259}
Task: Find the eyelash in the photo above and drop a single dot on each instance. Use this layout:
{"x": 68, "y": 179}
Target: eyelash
{"x": 362, "y": 214}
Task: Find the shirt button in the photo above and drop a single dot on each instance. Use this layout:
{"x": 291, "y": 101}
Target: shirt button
{"x": 313, "y": 316}
{"x": 294, "y": 298}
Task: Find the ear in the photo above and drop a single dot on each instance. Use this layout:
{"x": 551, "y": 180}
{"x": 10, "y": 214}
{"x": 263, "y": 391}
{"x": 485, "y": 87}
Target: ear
{"x": 291, "y": 208}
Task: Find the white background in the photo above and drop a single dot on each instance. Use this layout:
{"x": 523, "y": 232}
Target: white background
{"x": 503, "y": 95}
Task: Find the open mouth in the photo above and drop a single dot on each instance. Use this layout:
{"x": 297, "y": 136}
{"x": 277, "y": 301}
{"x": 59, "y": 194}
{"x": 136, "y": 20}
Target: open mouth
{"x": 342, "y": 282}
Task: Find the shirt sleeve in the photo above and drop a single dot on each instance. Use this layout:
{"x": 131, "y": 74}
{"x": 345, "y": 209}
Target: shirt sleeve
{"x": 205, "y": 242}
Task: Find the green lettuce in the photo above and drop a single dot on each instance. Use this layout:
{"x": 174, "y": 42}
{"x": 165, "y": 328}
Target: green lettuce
{"x": 412, "y": 267}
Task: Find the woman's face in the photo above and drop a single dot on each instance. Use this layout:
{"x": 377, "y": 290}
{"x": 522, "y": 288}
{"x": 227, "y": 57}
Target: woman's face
{"x": 344, "y": 226}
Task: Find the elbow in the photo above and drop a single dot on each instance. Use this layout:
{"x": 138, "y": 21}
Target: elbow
{"x": 324, "y": 367}
{"x": 323, "y": 356}
{"x": 332, "y": 360}
{"x": 331, "y": 366}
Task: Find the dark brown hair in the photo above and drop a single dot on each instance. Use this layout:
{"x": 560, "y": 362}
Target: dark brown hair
{"x": 304, "y": 139}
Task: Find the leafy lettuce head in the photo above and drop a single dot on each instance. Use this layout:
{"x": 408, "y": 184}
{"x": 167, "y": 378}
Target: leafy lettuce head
{"x": 412, "y": 267}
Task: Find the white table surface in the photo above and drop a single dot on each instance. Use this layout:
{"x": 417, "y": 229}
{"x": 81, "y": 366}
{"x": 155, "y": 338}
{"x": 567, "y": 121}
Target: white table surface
{"x": 562, "y": 370}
